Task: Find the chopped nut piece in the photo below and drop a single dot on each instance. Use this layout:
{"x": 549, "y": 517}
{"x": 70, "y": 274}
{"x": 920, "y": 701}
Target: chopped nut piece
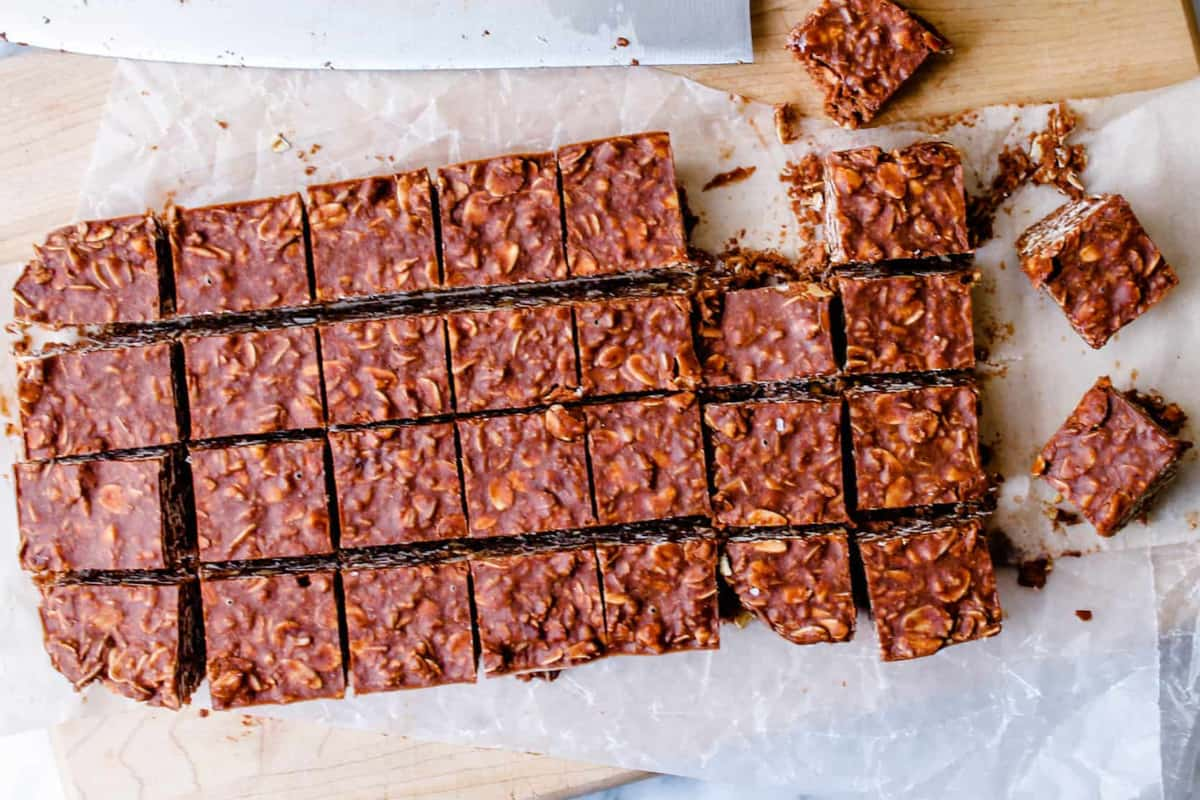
{"x": 373, "y": 236}
{"x": 98, "y": 272}
{"x": 660, "y": 598}
{"x": 908, "y": 323}
{"x": 800, "y": 586}
{"x": 930, "y": 589}
{"x": 92, "y": 402}
{"x": 648, "y": 459}
{"x": 501, "y": 221}
{"x": 261, "y": 501}
{"x": 385, "y": 369}
{"x": 1097, "y": 262}
{"x": 397, "y": 485}
{"x": 138, "y": 640}
{"x": 637, "y": 345}
{"x": 100, "y": 515}
{"x": 525, "y": 473}
{"x": 253, "y": 382}
{"x": 777, "y": 463}
{"x": 409, "y": 627}
{"x": 272, "y": 639}
{"x": 1111, "y": 457}
{"x": 239, "y": 256}
{"x": 859, "y": 52}
{"x": 773, "y": 333}
{"x": 916, "y": 447}
{"x": 621, "y": 205}
{"x": 538, "y": 612}
{"x": 905, "y": 204}
{"x": 513, "y": 357}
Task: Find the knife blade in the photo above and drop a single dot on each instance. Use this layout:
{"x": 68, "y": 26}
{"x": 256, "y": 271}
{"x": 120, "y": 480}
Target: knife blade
{"x": 390, "y": 34}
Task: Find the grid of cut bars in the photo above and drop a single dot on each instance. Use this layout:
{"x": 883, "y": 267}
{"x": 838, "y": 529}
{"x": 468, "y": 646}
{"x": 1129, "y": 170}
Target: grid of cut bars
{"x": 348, "y": 493}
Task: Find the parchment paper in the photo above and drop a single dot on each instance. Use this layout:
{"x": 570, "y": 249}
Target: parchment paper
{"x": 1052, "y": 706}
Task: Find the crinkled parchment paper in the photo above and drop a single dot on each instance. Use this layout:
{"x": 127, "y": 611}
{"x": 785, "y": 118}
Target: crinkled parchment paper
{"x": 1053, "y": 706}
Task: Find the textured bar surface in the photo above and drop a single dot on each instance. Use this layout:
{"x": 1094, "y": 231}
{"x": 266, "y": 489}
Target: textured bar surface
{"x": 637, "y": 345}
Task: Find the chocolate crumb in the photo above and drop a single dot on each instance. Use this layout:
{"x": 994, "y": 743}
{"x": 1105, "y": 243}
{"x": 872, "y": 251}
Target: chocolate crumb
{"x": 222, "y": 124}
{"x": 309, "y": 170}
{"x": 735, "y": 175}
{"x": 622, "y": 41}
{"x": 1033, "y": 573}
{"x": 549, "y": 676}
{"x": 1084, "y": 614}
{"x": 787, "y": 116}
{"x": 633, "y": 62}
{"x": 203, "y": 713}
{"x": 804, "y": 181}
{"x": 1060, "y": 517}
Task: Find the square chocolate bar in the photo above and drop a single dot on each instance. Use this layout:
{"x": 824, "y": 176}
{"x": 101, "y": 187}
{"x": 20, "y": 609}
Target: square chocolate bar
{"x": 93, "y": 273}
{"x": 385, "y": 369}
{"x": 140, "y": 640}
{"x": 777, "y": 463}
{"x": 916, "y": 447}
{"x": 253, "y": 382}
{"x": 373, "y": 236}
{"x": 501, "y": 221}
{"x": 660, "y": 598}
{"x": 261, "y": 501}
{"x": 243, "y": 256}
{"x": 881, "y": 206}
{"x": 397, "y": 485}
{"x": 930, "y": 589}
{"x": 409, "y": 627}
{"x": 908, "y": 323}
{"x": 94, "y": 402}
{"x": 648, "y": 459}
{"x": 1098, "y": 263}
{"x": 512, "y": 357}
{"x": 621, "y": 205}
{"x": 637, "y": 344}
{"x": 538, "y": 611}
{"x": 1114, "y": 453}
{"x": 798, "y": 585}
{"x": 123, "y": 514}
{"x": 859, "y": 53}
{"x": 526, "y": 473}
{"x": 773, "y": 333}
{"x": 272, "y": 639}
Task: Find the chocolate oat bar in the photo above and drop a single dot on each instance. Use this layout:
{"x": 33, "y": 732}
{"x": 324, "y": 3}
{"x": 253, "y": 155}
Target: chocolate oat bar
{"x": 1098, "y": 263}
{"x": 772, "y": 333}
{"x": 908, "y": 323}
{"x": 777, "y": 463}
{"x": 140, "y": 640}
{"x": 104, "y": 514}
{"x": 397, "y": 485}
{"x": 648, "y": 459}
{"x": 637, "y": 344}
{"x": 272, "y": 639}
{"x": 261, "y": 501}
{"x": 798, "y": 585}
{"x": 259, "y": 381}
{"x": 859, "y": 53}
{"x": 373, "y": 236}
{"x": 905, "y": 204}
{"x": 409, "y": 627}
{"x": 621, "y": 205}
{"x": 243, "y": 256}
{"x": 1114, "y": 453}
{"x": 98, "y": 401}
{"x": 916, "y": 447}
{"x": 660, "y": 598}
{"x": 526, "y": 473}
{"x": 538, "y": 611}
{"x": 97, "y": 272}
{"x": 501, "y": 221}
{"x": 380, "y": 370}
{"x": 512, "y": 357}
{"x": 930, "y": 589}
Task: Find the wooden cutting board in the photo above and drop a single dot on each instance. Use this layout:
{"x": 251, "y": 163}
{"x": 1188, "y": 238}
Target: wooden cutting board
{"x": 1015, "y": 51}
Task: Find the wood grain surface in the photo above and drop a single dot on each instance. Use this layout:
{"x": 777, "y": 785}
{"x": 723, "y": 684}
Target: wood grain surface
{"x": 1015, "y": 51}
